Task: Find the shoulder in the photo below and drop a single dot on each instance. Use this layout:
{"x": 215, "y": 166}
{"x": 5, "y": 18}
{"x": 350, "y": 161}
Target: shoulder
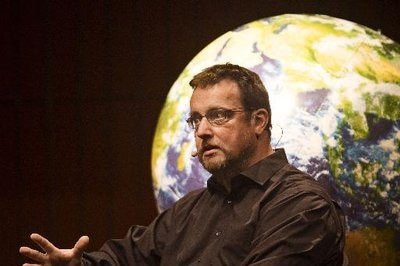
{"x": 293, "y": 191}
{"x": 290, "y": 180}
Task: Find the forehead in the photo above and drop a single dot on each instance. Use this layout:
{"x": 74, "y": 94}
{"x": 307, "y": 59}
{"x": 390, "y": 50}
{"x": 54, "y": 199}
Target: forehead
{"x": 224, "y": 94}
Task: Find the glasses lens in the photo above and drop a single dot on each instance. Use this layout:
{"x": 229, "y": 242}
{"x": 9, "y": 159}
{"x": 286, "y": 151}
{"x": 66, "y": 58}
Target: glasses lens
{"x": 215, "y": 117}
{"x": 194, "y": 120}
{"x": 218, "y": 116}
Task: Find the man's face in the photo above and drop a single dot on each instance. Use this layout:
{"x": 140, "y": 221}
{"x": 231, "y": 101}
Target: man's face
{"x": 229, "y": 146}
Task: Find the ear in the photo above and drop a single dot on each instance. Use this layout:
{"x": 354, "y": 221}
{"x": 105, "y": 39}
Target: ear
{"x": 260, "y": 118}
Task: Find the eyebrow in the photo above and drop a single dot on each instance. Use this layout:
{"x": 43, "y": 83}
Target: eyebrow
{"x": 216, "y": 108}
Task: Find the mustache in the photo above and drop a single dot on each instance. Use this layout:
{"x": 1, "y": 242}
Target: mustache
{"x": 207, "y": 146}
{"x": 204, "y": 147}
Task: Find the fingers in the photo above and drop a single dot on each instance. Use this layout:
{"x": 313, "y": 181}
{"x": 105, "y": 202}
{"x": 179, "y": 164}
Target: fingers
{"x": 32, "y": 254}
{"x": 51, "y": 254}
{"x": 45, "y": 244}
{"x": 81, "y": 245}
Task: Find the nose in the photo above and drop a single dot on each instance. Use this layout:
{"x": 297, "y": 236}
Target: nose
{"x": 204, "y": 128}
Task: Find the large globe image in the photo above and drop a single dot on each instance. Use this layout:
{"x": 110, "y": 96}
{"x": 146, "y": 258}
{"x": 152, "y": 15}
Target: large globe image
{"x": 335, "y": 97}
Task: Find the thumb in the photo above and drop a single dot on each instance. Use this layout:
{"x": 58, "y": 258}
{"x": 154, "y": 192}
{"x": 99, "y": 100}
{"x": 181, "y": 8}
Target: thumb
{"x": 81, "y": 245}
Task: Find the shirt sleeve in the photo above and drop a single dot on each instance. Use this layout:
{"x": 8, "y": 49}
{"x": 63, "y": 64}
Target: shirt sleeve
{"x": 298, "y": 229}
{"x": 141, "y": 246}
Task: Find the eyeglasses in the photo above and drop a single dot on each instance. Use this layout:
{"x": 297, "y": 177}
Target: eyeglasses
{"x": 216, "y": 117}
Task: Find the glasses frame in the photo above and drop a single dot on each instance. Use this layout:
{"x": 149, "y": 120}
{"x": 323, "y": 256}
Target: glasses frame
{"x": 227, "y": 116}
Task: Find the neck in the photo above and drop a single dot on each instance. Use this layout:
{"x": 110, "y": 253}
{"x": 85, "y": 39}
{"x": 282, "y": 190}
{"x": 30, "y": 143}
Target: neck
{"x": 226, "y": 175}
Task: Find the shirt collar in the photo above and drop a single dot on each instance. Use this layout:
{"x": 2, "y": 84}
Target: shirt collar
{"x": 259, "y": 173}
{"x": 263, "y": 170}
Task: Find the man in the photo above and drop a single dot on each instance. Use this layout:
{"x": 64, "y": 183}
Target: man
{"x": 256, "y": 210}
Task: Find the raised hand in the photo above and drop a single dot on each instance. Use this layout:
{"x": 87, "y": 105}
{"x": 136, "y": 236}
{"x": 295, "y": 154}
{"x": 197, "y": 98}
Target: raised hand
{"x": 52, "y": 255}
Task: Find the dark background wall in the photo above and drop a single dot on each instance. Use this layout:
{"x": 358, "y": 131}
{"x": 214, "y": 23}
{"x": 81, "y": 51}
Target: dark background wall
{"x": 81, "y": 86}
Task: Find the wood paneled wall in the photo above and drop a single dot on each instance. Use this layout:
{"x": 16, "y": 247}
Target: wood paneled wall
{"x": 81, "y": 87}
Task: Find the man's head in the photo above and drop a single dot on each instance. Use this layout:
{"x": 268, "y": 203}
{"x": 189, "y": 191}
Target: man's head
{"x": 231, "y": 116}
{"x": 253, "y": 93}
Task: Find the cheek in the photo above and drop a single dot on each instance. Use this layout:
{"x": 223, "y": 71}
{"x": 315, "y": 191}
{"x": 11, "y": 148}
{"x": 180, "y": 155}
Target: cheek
{"x": 241, "y": 139}
{"x": 234, "y": 140}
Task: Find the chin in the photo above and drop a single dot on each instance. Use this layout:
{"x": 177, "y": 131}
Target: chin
{"x": 213, "y": 165}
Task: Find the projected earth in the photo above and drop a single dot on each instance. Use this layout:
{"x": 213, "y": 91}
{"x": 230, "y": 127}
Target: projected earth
{"x": 335, "y": 94}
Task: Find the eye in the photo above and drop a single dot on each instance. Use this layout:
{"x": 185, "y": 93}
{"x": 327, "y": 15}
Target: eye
{"x": 218, "y": 116}
{"x": 196, "y": 118}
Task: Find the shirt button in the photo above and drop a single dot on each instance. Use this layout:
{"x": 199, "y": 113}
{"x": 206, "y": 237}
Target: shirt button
{"x": 218, "y": 233}
{"x": 229, "y": 201}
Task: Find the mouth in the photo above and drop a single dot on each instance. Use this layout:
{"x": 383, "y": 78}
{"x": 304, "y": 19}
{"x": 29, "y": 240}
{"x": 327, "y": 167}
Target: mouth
{"x": 208, "y": 150}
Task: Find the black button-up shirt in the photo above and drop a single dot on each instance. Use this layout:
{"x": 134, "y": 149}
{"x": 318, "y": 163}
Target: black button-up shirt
{"x": 274, "y": 215}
